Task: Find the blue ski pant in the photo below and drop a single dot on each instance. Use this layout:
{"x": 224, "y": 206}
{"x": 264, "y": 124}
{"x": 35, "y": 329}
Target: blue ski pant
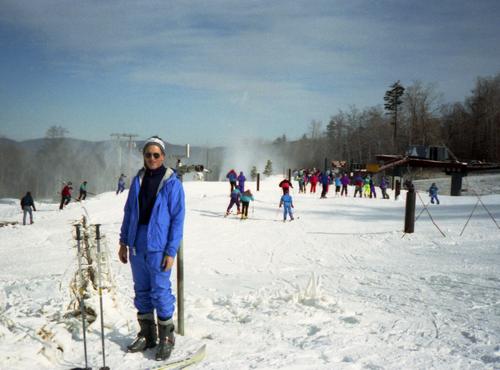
{"x": 434, "y": 197}
{"x": 287, "y": 210}
{"x": 152, "y": 286}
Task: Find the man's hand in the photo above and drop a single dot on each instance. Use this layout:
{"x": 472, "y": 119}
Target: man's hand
{"x": 167, "y": 263}
{"x": 123, "y": 253}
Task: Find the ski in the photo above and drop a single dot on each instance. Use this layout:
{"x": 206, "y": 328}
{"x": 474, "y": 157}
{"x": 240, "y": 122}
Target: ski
{"x": 182, "y": 363}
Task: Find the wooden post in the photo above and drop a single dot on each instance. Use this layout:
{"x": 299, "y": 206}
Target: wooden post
{"x": 180, "y": 283}
{"x": 289, "y": 174}
{"x": 456, "y": 184}
{"x": 258, "y": 181}
{"x": 411, "y": 197}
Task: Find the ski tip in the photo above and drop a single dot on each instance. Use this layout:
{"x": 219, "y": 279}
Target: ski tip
{"x": 191, "y": 359}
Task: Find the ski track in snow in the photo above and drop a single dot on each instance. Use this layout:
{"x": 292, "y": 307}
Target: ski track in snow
{"x": 338, "y": 288}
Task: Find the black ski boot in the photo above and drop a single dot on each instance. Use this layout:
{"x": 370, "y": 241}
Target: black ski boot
{"x": 167, "y": 339}
{"x": 147, "y": 336}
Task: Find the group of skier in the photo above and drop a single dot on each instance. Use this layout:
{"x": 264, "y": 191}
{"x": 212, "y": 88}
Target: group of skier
{"x": 239, "y": 197}
{"x": 28, "y": 205}
{"x": 67, "y": 191}
{"x": 364, "y": 186}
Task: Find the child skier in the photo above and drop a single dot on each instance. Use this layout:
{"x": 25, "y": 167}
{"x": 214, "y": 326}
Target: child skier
{"x": 287, "y": 203}
{"x": 235, "y": 199}
{"x": 433, "y": 193}
{"x": 285, "y": 185}
{"x": 246, "y": 197}
{"x": 366, "y": 187}
{"x": 338, "y": 184}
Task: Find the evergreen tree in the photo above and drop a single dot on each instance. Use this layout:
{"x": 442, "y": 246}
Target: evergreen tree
{"x": 253, "y": 173}
{"x": 392, "y": 101}
{"x": 268, "y": 170}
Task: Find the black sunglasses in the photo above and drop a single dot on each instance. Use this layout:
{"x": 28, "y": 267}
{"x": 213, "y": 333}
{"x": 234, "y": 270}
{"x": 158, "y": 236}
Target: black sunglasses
{"x": 149, "y": 155}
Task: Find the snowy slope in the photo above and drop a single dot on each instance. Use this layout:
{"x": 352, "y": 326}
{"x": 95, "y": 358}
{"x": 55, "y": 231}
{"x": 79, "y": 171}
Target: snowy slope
{"x": 340, "y": 287}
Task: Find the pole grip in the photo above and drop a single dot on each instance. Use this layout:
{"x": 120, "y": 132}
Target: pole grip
{"x": 78, "y": 232}
{"x": 98, "y": 231}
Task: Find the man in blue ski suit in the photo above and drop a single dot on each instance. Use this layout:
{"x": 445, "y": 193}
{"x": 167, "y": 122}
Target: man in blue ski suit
{"x": 150, "y": 235}
{"x": 287, "y": 203}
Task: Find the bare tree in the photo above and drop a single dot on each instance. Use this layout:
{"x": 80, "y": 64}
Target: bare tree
{"x": 56, "y": 132}
{"x": 315, "y": 129}
{"x": 421, "y": 105}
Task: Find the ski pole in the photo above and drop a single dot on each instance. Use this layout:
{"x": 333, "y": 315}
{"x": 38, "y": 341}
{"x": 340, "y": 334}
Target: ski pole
{"x": 98, "y": 242}
{"x": 82, "y": 294}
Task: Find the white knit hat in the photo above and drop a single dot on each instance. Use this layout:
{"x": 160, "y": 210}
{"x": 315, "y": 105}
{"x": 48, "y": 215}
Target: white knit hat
{"x": 154, "y": 140}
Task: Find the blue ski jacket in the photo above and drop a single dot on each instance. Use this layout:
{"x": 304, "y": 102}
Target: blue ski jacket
{"x": 433, "y": 190}
{"x": 165, "y": 228}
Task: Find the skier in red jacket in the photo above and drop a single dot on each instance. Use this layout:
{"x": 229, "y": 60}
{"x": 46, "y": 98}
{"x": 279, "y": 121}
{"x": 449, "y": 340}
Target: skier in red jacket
{"x": 313, "y": 180}
{"x": 66, "y": 195}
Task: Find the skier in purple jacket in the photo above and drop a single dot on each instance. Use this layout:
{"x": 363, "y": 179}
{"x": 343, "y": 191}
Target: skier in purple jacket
{"x": 235, "y": 199}
{"x": 344, "y": 181}
{"x": 241, "y": 182}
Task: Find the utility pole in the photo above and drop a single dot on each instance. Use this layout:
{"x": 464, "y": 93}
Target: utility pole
{"x": 130, "y": 144}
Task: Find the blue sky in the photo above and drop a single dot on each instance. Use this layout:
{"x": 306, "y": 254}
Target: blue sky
{"x": 210, "y": 72}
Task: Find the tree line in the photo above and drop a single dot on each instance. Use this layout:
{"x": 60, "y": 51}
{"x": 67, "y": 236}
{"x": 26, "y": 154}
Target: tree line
{"x": 412, "y": 115}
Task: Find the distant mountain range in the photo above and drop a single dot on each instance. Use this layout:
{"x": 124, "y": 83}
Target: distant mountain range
{"x": 43, "y": 165}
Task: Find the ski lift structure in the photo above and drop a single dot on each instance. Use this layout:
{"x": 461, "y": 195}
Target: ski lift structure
{"x": 198, "y": 170}
{"x": 436, "y": 157}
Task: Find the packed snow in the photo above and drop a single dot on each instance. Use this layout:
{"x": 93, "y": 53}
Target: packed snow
{"x": 340, "y": 287}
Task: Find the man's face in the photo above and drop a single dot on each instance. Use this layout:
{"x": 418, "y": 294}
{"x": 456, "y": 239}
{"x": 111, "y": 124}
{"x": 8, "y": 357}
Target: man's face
{"x": 153, "y": 157}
